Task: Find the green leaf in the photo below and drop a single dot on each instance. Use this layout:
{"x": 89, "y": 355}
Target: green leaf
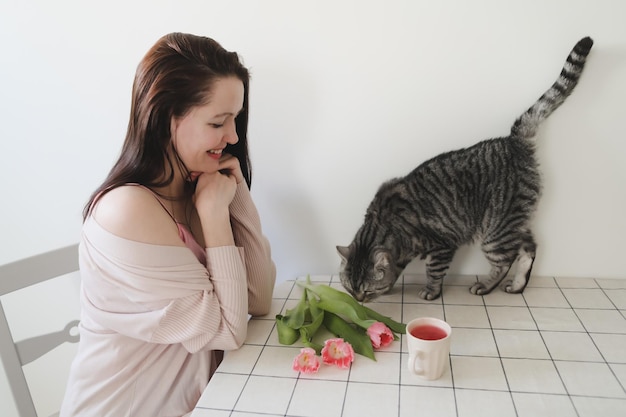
{"x": 307, "y": 341}
{"x": 308, "y": 330}
{"x": 328, "y": 293}
{"x": 359, "y": 340}
{"x": 395, "y": 326}
{"x": 315, "y": 310}
{"x": 295, "y": 316}
{"x": 344, "y": 310}
{"x": 286, "y": 334}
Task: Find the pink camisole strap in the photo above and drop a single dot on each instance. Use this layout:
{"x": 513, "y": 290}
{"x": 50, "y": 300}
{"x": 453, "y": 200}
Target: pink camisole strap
{"x": 184, "y": 234}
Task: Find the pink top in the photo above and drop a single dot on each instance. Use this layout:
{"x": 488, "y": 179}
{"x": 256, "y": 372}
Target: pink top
{"x": 184, "y": 234}
{"x": 151, "y": 316}
{"x": 190, "y": 242}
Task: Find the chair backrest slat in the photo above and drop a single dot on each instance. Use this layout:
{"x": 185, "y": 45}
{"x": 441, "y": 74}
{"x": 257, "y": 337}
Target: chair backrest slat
{"x": 26, "y": 272}
{"x": 14, "y": 371}
{"x": 16, "y": 276}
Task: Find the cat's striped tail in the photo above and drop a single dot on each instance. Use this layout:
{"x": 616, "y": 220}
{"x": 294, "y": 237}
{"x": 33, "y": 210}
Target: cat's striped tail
{"x": 526, "y": 125}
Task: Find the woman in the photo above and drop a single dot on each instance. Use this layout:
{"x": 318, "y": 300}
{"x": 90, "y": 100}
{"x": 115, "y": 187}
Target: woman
{"x": 172, "y": 255}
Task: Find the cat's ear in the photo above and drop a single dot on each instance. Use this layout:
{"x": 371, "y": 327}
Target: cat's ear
{"x": 382, "y": 259}
{"x": 343, "y": 251}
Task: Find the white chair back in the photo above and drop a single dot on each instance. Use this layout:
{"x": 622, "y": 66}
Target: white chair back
{"x": 39, "y": 296}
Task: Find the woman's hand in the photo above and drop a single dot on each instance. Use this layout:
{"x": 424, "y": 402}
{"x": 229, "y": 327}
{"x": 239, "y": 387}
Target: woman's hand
{"x": 230, "y": 164}
{"x": 218, "y": 188}
{"x": 214, "y": 193}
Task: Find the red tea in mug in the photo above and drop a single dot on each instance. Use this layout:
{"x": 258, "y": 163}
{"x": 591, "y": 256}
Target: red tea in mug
{"x": 428, "y": 332}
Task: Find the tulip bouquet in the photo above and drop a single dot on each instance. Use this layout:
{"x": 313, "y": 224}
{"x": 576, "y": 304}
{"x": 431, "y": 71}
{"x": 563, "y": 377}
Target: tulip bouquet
{"x": 357, "y": 328}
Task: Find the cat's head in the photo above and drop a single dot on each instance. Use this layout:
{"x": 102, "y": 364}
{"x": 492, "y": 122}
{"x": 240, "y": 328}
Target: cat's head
{"x": 367, "y": 273}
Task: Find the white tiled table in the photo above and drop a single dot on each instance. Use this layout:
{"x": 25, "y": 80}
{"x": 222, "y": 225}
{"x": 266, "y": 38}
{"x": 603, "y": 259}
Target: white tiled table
{"x": 557, "y": 350}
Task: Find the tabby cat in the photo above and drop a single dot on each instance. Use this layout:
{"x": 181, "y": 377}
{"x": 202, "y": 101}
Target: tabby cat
{"x": 485, "y": 193}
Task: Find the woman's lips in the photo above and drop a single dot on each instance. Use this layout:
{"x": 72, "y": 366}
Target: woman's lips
{"x": 215, "y": 154}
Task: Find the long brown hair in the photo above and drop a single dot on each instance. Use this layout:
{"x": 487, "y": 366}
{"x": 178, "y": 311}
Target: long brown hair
{"x": 176, "y": 74}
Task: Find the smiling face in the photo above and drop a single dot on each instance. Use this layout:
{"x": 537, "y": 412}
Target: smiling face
{"x": 202, "y": 134}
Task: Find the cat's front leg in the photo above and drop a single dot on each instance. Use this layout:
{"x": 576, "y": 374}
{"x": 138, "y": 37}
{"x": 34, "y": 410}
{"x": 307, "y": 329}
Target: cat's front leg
{"x": 437, "y": 264}
{"x": 432, "y": 290}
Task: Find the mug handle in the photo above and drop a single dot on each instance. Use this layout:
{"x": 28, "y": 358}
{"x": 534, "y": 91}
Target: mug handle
{"x": 412, "y": 357}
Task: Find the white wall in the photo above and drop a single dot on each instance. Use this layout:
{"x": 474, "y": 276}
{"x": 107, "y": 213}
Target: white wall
{"x": 345, "y": 94}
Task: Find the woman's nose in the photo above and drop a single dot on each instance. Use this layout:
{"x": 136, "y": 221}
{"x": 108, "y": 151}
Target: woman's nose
{"x": 230, "y": 135}
{"x": 231, "y": 138}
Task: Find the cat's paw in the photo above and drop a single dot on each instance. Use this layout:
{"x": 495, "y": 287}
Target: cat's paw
{"x": 426, "y": 293}
{"x": 511, "y": 287}
{"x": 480, "y": 289}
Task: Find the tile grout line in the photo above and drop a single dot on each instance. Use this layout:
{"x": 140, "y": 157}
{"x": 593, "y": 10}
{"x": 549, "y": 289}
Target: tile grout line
{"x": 297, "y": 378}
{"x": 249, "y": 375}
{"x": 594, "y": 341}
{"x": 345, "y": 391}
{"x": 615, "y": 307}
{"x": 261, "y": 353}
{"x": 456, "y": 402}
{"x": 549, "y": 353}
{"x": 402, "y": 341}
{"x": 259, "y": 357}
{"x": 493, "y": 334}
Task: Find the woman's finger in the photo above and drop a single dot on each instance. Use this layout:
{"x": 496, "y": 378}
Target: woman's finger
{"x": 230, "y": 165}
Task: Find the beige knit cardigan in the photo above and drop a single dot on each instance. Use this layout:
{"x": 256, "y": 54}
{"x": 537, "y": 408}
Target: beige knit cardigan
{"x": 152, "y": 316}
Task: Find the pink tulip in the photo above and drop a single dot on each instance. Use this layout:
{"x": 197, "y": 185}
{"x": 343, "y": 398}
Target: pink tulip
{"x": 337, "y": 352}
{"x": 306, "y": 361}
{"x": 380, "y": 335}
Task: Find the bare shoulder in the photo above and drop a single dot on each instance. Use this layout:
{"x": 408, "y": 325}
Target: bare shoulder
{"x": 134, "y": 213}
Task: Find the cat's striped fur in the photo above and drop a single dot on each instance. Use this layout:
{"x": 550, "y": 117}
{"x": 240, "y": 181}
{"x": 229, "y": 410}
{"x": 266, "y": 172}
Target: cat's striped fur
{"x": 485, "y": 193}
